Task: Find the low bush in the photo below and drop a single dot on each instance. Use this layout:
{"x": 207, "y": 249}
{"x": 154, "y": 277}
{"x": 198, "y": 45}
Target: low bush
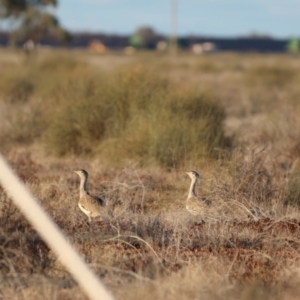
{"x": 133, "y": 114}
{"x": 275, "y": 75}
{"x": 20, "y": 91}
{"x": 293, "y": 189}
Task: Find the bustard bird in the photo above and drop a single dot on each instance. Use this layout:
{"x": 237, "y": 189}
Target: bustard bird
{"x": 196, "y": 205}
{"x": 89, "y": 204}
{"x": 213, "y": 211}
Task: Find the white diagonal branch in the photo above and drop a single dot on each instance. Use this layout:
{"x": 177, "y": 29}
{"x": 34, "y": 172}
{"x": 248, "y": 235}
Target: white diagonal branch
{"x": 50, "y": 232}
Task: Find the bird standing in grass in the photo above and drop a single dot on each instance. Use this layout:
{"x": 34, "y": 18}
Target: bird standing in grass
{"x": 216, "y": 210}
{"x": 90, "y": 205}
{"x": 196, "y": 205}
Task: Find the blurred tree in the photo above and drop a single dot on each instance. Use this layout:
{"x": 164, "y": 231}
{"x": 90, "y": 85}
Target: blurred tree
{"x": 31, "y": 19}
{"x": 144, "y": 37}
{"x": 293, "y": 46}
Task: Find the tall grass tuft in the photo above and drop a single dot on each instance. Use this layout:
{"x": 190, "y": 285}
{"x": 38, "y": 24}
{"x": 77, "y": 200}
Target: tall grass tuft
{"x": 278, "y": 75}
{"x": 254, "y": 181}
{"x": 293, "y": 188}
{"x": 27, "y": 96}
{"x": 21, "y": 90}
{"x": 133, "y": 114}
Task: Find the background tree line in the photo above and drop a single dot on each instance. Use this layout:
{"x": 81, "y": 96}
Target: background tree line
{"x": 31, "y": 20}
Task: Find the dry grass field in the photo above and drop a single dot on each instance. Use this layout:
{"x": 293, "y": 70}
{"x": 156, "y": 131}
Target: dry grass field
{"x": 136, "y": 124}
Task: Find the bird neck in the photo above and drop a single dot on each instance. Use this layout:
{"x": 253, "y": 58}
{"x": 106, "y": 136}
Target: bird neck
{"x": 192, "y": 189}
{"x": 83, "y": 186}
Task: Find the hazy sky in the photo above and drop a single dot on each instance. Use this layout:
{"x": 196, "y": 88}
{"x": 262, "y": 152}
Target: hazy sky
{"x": 279, "y": 18}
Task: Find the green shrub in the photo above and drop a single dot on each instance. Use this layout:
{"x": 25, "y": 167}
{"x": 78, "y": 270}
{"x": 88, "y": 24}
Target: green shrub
{"x": 76, "y": 129}
{"x": 277, "y": 75}
{"x": 20, "y": 91}
{"x": 59, "y": 63}
{"x": 135, "y": 115}
{"x": 126, "y": 114}
{"x": 205, "y": 65}
{"x": 23, "y": 124}
{"x": 293, "y": 189}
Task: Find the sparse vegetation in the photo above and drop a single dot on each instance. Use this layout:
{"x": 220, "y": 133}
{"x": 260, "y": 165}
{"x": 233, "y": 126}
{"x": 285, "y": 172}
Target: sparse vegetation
{"x": 275, "y": 75}
{"x": 134, "y": 111}
{"x": 136, "y": 125}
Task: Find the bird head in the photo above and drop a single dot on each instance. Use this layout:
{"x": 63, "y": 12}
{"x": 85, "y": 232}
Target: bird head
{"x": 82, "y": 173}
{"x": 193, "y": 175}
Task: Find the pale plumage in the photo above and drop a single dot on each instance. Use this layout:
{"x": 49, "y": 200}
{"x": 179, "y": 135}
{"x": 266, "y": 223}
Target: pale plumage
{"x": 90, "y": 205}
{"x": 197, "y": 205}
{"x": 216, "y": 210}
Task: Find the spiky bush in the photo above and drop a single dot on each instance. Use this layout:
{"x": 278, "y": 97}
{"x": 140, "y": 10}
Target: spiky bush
{"x": 275, "y": 75}
{"x": 133, "y": 114}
